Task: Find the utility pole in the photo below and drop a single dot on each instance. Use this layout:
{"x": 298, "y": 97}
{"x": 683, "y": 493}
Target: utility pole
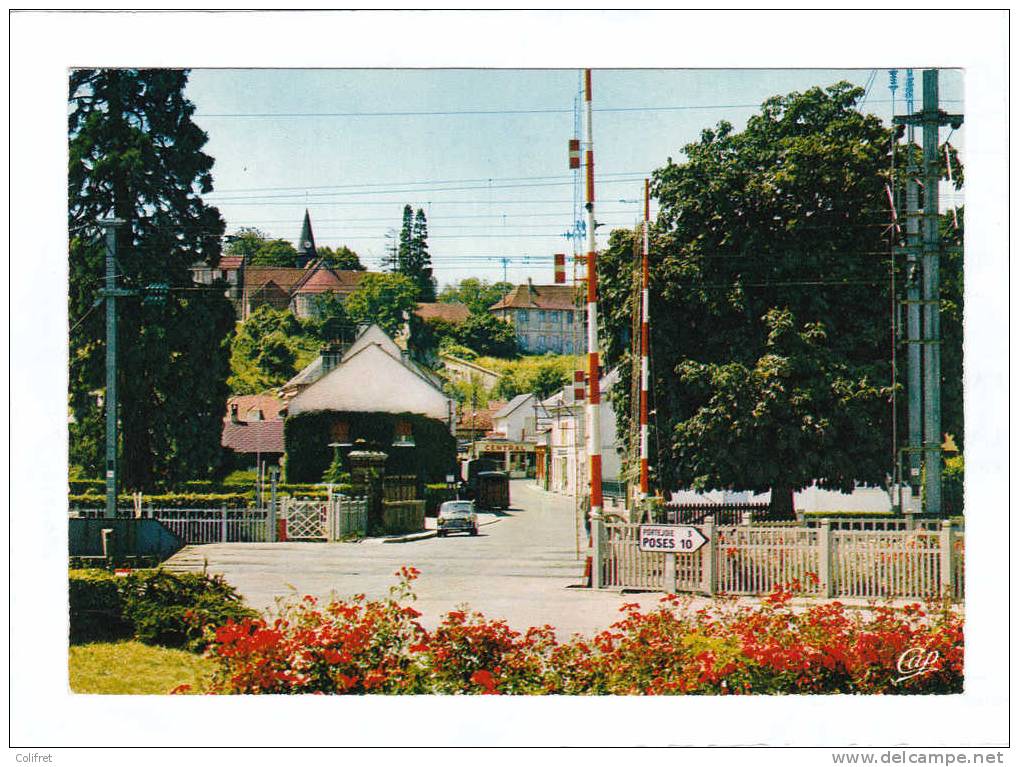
{"x": 931, "y": 118}
{"x": 594, "y": 387}
{"x": 645, "y": 314}
{"x": 110, "y": 294}
{"x": 915, "y": 375}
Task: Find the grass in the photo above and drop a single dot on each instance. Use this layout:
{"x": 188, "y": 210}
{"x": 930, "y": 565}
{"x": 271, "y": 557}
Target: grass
{"x": 133, "y": 668}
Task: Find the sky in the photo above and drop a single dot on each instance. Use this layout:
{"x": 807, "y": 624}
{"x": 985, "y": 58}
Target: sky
{"x": 482, "y": 151}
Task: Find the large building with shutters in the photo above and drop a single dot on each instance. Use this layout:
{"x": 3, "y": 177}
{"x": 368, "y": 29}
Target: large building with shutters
{"x": 545, "y": 318}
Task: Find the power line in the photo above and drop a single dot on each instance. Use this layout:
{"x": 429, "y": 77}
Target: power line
{"x": 484, "y": 112}
{"x": 306, "y": 195}
{"x": 408, "y": 183}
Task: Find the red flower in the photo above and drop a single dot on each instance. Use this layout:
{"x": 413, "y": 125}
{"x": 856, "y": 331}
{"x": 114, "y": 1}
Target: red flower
{"x": 486, "y": 680}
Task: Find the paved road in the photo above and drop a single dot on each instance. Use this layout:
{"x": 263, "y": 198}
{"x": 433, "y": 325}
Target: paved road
{"x": 519, "y": 568}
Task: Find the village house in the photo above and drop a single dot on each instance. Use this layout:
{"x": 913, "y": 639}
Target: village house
{"x": 281, "y": 287}
{"x": 253, "y": 431}
{"x": 562, "y": 442}
{"x": 371, "y": 395}
{"x": 543, "y": 317}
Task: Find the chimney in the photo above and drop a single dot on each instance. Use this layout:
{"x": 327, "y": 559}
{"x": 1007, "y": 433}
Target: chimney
{"x": 233, "y": 413}
{"x": 332, "y": 353}
{"x": 530, "y": 291}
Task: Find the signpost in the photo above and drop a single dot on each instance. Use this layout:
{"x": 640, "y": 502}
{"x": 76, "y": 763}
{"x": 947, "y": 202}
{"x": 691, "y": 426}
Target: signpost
{"x": 670, "y": 539}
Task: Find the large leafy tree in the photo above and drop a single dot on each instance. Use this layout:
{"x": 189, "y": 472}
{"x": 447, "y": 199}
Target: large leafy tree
{"x": 341, "y": 258}
{"x": 278, "y": 252}
{"x": 135, "y": 153}
{"x": 770, "y": 284}
{"x": 386, "y": 300}
{"x": 476, "y": 294}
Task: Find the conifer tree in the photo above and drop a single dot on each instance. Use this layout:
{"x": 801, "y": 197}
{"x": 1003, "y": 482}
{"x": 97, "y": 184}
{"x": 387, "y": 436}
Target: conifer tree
{"x": 135, "y": 153}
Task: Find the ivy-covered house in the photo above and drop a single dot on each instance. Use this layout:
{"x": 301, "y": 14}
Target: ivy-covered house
{"x": 370, "y": 396}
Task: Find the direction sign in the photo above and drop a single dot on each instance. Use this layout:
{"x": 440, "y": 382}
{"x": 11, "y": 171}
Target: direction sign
{"x": 677, "y": 539}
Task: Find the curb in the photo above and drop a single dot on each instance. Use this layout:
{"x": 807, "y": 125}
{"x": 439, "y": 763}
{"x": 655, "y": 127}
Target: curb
{"x": 412, "y": 537}
{"x": 426, "y": 534}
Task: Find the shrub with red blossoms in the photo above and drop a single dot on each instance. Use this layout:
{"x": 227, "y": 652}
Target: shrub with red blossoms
{"x": 358, "y": 646}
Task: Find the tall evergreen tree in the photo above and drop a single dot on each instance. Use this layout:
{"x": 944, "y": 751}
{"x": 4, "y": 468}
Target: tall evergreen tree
{"x": 135, "y": 153}
{"x": 422, "y": 275}
{"x": 405, "y": 249}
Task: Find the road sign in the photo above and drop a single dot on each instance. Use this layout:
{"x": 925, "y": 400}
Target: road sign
{"x": 678, "y": 539}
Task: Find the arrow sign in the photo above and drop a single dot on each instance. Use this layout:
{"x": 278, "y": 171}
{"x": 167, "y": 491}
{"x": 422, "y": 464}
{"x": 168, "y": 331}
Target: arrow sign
{"x": 677, "y": 539}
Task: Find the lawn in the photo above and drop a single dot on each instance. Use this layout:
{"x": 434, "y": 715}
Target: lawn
{"x": 133, "y": 668}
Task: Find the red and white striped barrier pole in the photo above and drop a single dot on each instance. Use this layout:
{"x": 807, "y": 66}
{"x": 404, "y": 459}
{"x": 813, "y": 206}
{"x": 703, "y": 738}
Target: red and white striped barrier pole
{"x": 594, "y": 389}
{"x": 645, "y": 314}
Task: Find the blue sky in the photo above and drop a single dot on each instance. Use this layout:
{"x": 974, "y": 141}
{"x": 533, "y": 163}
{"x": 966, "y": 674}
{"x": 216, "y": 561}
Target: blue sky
{"x": 495, "y": 183}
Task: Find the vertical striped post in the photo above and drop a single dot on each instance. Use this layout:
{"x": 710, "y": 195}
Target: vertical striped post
{"x": 645, "y": 314}
{"x": 222, "y": 525}
{"x": 594, "y": 388}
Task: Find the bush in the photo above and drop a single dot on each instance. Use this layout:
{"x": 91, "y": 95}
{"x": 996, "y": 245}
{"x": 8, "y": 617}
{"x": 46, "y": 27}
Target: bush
{"x": 357, "y": 646}
{"x": 153, "y": 606}
{"x": 96, "y": 607}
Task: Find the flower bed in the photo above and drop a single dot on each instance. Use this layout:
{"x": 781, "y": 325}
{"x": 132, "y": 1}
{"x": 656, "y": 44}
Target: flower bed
{"x": 358, "y": 646}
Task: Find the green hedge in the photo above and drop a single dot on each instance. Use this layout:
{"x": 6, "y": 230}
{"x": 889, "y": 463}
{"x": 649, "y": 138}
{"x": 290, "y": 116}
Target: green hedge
{"x": 153, "y": 606}
{"x": 307, "y": 437}
{"x": 168, "y": 500}
{"x": 81, "y": 486}
{"x": 435, "y": 495}
{"x": 97, "y": 607}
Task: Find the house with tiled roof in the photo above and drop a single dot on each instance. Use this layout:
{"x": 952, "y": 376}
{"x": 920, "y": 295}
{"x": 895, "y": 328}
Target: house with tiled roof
{"x": 454, "y": 313}
{"x": 281, "y": 287}
{"x": 253, "y": 430}
{"x": 544, "y": 317}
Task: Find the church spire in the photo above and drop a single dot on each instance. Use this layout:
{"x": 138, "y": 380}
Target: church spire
{"x": 306, "y": 245}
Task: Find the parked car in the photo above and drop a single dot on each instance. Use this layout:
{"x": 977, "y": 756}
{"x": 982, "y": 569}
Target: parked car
{"x": 457, "y": 517}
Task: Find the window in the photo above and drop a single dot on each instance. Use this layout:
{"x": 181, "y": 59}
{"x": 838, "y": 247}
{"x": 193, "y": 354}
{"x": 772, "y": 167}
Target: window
{"x": 569, "y": 318}
{"x": 521, "y": 317}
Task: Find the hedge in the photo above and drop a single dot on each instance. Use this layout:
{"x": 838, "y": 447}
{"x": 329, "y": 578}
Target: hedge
{"x": 435, "y": 496}
{"x": 308, "y": 455}
{"x": 168, "y": 500}
{"x": 153, "y": 606}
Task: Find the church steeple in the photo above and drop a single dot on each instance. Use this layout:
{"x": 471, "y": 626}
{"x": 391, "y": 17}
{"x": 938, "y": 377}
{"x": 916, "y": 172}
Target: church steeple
{"x": 306, "y": 245}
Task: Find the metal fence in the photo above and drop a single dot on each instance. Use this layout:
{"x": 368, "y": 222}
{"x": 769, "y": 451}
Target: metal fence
{"x": 332, "y": 519}
{"x": 825, "y": 560}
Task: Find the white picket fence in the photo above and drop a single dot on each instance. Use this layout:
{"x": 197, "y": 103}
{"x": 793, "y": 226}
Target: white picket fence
{"x": 916, "y": 562}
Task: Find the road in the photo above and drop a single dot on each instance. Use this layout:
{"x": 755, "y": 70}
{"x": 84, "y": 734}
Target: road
{"x": 520, "y": 568}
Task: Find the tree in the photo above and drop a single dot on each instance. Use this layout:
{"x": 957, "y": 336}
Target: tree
{"x": 264, "y": 351}
{"x": 477, "y": 295}
{"x": 275, "y": 253}
{"x": 769, "y": 246}
{"x": 405, "y": 248}
{"x": 331, "y": 321}
{"x": 422, "y": 260}
{"x": 487, "y": 335}
{"x": 135, "y": 153}
{"x": 245, "y": 242}
{"x": 413, "y": 259}
{"x": 386, "y": 300}
{"x": 341, "y": 258}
